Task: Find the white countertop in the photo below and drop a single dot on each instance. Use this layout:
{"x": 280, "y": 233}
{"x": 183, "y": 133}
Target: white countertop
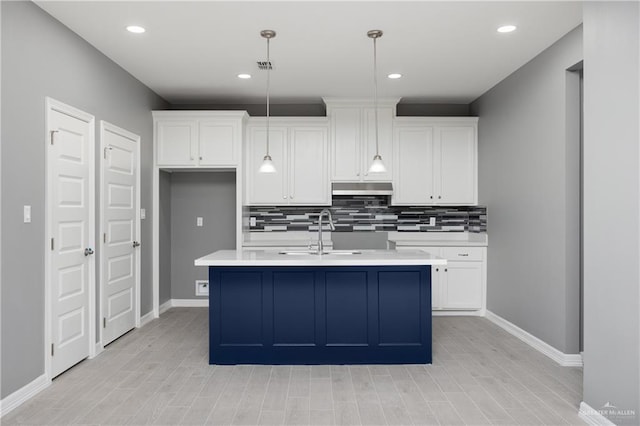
{"x": 428, "y": 239}
{"x": 274, "y": 258}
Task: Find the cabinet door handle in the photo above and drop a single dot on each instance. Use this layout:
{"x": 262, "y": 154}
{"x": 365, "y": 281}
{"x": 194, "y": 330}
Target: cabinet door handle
{"x": 291, "y": 196}
{"x": 445, "y": 269}
{"x": 284, "y": 196}
{"x": 431, "y": 197}
{"x": 357, "y": 174}
{"x": 437, "y": 269}
{"x": 200, "y": 157}
{"x": 463, "y": 254}
{"x": 439, "y": 197}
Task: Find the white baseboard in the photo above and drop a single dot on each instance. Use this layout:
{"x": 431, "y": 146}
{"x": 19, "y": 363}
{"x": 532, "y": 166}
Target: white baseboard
{"x": 593, "y": 417}
{"x": 146, "y": 318}
{"x": 23, "y": 394}
{"x": 565, "y": 360}
{"x": 164, "y": 307}
{"x": 458, "y": 313}
{"x": 97, "y": 350}
{"x": 189, "y": 303}
{"x": 184, "y": 303}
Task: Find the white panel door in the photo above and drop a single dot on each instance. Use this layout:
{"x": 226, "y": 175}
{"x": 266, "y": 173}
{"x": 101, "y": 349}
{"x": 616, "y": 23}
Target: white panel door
{"x": 218, "y": 143}
{"x": 119, "y": 266}
{"x": 456, "y": 157}
{"x": 267, "y": 188}
{"x": 461, "y": 285}
{"x": 308, "y": 166}
{"x": 413, "y": 170}
{"x": 70, "y": 208}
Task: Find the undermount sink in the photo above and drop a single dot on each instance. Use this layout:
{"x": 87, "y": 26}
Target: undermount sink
{"x": 316, "y": 253}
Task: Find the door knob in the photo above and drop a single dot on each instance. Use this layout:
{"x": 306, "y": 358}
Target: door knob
{"x": 136, "y": 244}
{"x": 88, "y": 251}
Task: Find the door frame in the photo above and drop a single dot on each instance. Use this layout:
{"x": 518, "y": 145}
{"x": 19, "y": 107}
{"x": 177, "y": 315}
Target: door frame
{"x": 105, "y": 126}
{"x": 50, "y": 106}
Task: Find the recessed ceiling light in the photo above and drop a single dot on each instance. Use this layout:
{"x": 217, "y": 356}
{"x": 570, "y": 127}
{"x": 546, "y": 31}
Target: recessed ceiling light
{"x": 507, "y": 28}
{"x": 394, "y": 76}
{"x": 135, "y": 29}
{"x": 244, "y": 76}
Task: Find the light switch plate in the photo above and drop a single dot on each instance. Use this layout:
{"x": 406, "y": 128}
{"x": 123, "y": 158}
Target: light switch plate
{"x": 199, "y": 221}
{"x": 27, "y": 214}
{"x": 252, "y": 221}
{"x": 143, "y": 213}
{"x": 432, "y": 221}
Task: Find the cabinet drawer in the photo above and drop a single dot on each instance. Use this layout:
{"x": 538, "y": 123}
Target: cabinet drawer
{"x": 463, "y": 253}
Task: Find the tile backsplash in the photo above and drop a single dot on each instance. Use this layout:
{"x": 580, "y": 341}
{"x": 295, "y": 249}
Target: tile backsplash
{"x": 367, "y": 214}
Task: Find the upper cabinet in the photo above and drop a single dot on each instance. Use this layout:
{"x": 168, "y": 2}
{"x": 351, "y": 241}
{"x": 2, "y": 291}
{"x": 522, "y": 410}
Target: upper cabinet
{"x": 198, "y": 138}
{"x": 353, "y": 138}
{"x": 299, "y": 150}
{"x": 435, "y": 161}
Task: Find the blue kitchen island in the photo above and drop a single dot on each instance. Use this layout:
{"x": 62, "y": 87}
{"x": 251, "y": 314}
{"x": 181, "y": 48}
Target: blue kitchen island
{"x": 368, "y": 307}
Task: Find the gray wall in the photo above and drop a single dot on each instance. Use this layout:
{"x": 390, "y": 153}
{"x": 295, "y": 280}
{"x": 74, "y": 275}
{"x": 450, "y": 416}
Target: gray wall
{"x": 433, "y": 110}
{"x": 212, "y": 196}
{"x": 528, "y": 171}
{"x": 611, "y": 207}
{"x": 164, "y": 238}
{"x": 319, "y": 110}
{"x": 41, "y": 57}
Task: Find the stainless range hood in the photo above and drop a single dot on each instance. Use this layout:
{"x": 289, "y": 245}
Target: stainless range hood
{"x": 361, "y": 188}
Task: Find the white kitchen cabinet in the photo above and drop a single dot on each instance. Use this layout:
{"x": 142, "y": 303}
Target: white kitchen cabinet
{"x": 413, "y": 171}
{"x": 198, "y": 138}
{"x": 299, "y": 149}
{"x": 435, "y": 161}
{"x": 461, "y": 284}
{"x": 175, "y": 140}
{"x": 352, "y": 138}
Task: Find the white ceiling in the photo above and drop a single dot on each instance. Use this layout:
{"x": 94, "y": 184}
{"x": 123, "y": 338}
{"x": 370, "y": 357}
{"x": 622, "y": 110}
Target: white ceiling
{"x": 447, "y": 51}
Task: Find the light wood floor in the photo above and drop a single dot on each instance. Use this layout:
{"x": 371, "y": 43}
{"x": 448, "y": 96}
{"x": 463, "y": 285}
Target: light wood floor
{"x": 159, "y": 374}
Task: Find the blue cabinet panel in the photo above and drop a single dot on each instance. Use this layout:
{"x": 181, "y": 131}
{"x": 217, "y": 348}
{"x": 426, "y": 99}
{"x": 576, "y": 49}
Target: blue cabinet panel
{"x": 399, "y": 306}
{"x": 240, "y": 308}
{"x": 294, "y": 314}
{"x": 346, "y": 309}
{"x": 328, "y": 315}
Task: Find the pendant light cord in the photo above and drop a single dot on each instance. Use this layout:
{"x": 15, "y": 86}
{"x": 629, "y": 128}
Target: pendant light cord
{"x": 375, "y": 90}
{"x": 268, "y": 84}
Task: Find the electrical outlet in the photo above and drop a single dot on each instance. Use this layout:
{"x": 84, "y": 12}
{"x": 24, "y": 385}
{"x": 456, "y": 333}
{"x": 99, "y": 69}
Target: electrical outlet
{"x": 202, "y": 288}
{"x": 26, "y": 214}
{"x": 199, "y": 221}
{"x": 252, "y": 221}
{"x": 432, "y": 221}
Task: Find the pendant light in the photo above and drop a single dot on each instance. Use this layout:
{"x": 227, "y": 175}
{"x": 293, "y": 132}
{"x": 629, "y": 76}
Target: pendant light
{"x": 267, "y": 164}
{"x": 377, "y": 166}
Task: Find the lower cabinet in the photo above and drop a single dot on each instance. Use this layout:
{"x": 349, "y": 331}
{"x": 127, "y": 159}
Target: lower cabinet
{"x": 319, "y": 315}
{"x": 461, "y": 284}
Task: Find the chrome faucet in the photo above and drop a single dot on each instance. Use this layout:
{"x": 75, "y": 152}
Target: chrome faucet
{"x": 331, "y": 225}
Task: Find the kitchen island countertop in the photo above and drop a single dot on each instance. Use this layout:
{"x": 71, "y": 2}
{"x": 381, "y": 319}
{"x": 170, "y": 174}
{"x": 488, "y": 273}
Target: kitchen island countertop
{"x": 361, "y": 258}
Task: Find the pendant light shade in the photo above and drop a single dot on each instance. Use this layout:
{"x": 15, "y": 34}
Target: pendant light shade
{"x": 377, "y": 166}
{"x": 267, "y": 165}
